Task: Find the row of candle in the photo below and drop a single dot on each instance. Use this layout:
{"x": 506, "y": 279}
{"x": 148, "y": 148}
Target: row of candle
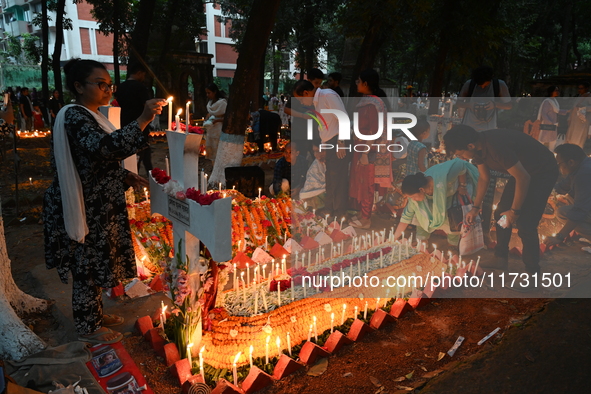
{"x": 178, "y": 114}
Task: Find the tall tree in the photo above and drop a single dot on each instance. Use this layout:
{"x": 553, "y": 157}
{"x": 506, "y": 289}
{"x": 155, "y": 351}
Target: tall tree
{"x": 60, "y": 25}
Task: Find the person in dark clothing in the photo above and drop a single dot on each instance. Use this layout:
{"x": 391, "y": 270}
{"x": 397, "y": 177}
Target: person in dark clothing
{"x": 334, "y": 82}
{"x": 131, "y": 96}
{"x": 574, "y": 164}
{"x": 533, "y": 173}
{"x": 290, "y": 172}
{"x": 55, "y": 104}
{"x": 26, "y": 108}
{"x": 269, "y": 128}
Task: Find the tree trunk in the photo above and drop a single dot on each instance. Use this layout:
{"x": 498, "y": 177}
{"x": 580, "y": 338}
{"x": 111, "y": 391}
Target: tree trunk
{"x": 138, "y": 48}
{"x": 369, "y": 50}
{"x": 277, "y": 60}
{"x": 116, "y": 42}
{"x": 566, "y": 26}
{"x": 44, "y": 55}
{"x": 254, "y": 44}
{"x": 16, "y": 339}
{"x": 57, "y": 49}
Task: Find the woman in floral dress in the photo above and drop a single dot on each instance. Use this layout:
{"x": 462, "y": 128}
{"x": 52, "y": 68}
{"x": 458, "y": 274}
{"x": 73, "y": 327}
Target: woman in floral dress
{"x": 86, "y": 227}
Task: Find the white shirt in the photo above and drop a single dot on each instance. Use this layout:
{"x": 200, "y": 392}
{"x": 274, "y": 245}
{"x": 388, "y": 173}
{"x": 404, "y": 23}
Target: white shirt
{"x": 328, "y": 99}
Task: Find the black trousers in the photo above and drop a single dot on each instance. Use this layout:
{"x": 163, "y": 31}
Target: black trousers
{"x": 337, "y": 180}
{"x": 532, "y": 210}
{"x": 145, "y": 156}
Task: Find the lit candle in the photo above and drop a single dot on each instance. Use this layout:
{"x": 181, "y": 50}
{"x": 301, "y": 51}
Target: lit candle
{"x": 283, "y": 265}
{"x": 278, "y": 293}
{"x": 278, "y": 343}
{"x": 146, "y": 193}
{"x": 342, "y": 220}
{"x": 177, "y": 120}
{"x": 267, "y": 349}
{"x": 310, "y": 333}
{"x": 365, "y": 311}
{"x": 378, "y": 303}
{"x": 266, "y": 244}
{"x": 163, "y": 312}
{"x": 260, "y": 189}
{"x": 263, "y": 271}
{"x": 31, "y": 181}
{"x": 169, "y": 101}
{"x": 234, "y": 371}
{"x": 315, "y": 328}
{"x": 424, "y": 246}
{"x": 343, "y": 315}
{"x": 381, "y": 260}
{"x": 256, "y": 298}
{"x": 250, "y": 355}
{"x": 331, "y": 322}
{"x": 235, "y": 280}
{"x": 400, "y": 252}
{"x": 188, "y": 115}
{"x": 205, "y": 189}
{"x": 201, "y": 362}
{"x": 289, "y": 343}
{"x": 356, "y": 312}
{"x": 189, "y": 346}
{"x": 247, "y": 273}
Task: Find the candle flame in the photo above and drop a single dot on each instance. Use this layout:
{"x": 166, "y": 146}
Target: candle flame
{"x": 189, "y": 346}
{"x": 180, "y": 111}
{"x": 237, "y": 357}
{"x": 202, "y": 349}
{"x": 268, "y": 339}
{"x": 251, "y": 349}
{"x": 344, "y": 306}
{"x": 169, "y": 100}
{"x": 164, "y": 309}
{"x": 278, "y": 341}
{"x": 188, "y": 102}
{"x": 314, "y": 318}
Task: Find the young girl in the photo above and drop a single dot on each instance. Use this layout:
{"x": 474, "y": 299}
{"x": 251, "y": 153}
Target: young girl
{"x": 416, "y": 159}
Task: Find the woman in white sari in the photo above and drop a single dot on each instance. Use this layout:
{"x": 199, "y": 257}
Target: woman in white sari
{"x": 578, "y": 121}
{"x": 548, "y": 115}
{"x": 216, "y": 107}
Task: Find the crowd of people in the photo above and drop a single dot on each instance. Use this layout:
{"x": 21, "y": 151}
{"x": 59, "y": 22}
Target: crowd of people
{"x": 25, "y": 109}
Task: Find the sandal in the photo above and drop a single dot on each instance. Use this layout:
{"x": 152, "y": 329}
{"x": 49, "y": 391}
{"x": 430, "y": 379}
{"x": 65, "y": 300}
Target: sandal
{"x": 112, "y": 320}
{"x": 97, "y": 338}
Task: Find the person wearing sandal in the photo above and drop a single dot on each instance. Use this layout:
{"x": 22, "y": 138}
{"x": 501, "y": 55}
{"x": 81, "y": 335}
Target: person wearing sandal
{"x": 430, "y": 195}
{"x": 86, "y": 228}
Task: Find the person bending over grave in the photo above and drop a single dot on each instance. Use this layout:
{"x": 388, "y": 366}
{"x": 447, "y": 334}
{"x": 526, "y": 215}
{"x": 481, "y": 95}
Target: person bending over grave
{"x": 430, "y": 196}
{"x": 290, "y": 164}
{"x": 314, "y": 189}
{"x": 86, "y": 228}
{"x": 533, "y": 173}
{"x": 575, "y": 166}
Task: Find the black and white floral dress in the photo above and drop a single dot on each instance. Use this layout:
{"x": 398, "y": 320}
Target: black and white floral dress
{"x": 107, "y": 255}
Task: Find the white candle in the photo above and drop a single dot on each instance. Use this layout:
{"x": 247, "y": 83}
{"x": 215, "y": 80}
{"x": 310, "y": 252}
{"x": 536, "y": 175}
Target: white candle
{"x": 247, "y": 273}
{"x": 342, "y": 220}
{"x": 366, "y": 263}
{"x": 278, "y": 343}
{"x": 400, "y": 252}
{"x": 264, "y": 300}
{"x": 205, "y": 189}
{"x": 256, "y": 299}
{"x": 343, "y": 315}
{"x": 260, "y": 189}
{"x": 250, "y": 355}
{"x": 277, "y": 272}
{"x": 378, "y": 303}
{"x": 263, "y": 271}
{"x": 310, "y": 333}
{"x": 359, "y": 267}
{"x": 234, "y": 371}
{"x": 356, "y": 312}
{"x": 267, "y": 350}
{"x": 381, "y": 260}
{"x": 292, "y": 290}
{"x": 177, "y": 120}
{"x": 163, "y": 312}
{"x": 188, "y": 115}
{"x": 189, "y": 346}
{"x": 365, "y": 311}
{"x": 167, "y": 163}
{"x": 470, "y": 265}
{"x": 315, "y": 328}
{"x": 146, "y": 193}
{"x": 283, "y": 265}
{"x": 201, "y": 362}
{"x": 169, "y": 101}
{"x": 289, "y": 343}
{"x": 331, "y": 322}
{"x": 278, "y": 293}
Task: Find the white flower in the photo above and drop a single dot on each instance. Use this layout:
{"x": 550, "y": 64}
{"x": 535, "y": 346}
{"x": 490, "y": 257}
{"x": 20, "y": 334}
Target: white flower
{"x": 294, "y": 319}
{"x": 172, "y": 187}
{"x": 233, "y": 333}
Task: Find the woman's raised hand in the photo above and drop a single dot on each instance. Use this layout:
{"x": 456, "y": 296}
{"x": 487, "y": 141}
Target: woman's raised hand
{"x": 152, "y": 108}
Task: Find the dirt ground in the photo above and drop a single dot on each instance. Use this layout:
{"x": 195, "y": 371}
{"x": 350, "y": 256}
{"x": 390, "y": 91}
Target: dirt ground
{"x": 543, "y": 345}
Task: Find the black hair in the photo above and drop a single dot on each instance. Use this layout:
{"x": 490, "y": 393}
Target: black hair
{"x": 214, "y": 88}
{"x": 336, "y": 76}
{"x": 315, "y": 74}
{"x": 586, "y": 84}
{"x": 570, "y": 152}
{"x": 372, "y": 78}
{"x": 24, "y": 88}
{"x": 301, "y": 86}
{"x": 482, "y": 74}
{"x": 551, "y": 90}
{"x": 459, "y": 137}
{"x": 421, "y": 126}
{"x": 412, "y": 183}
{"x": 77, "y": 70}
{"x": 135, "y": 68}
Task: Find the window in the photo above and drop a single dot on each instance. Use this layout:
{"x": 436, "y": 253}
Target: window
{"x": 202, "y": 46}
